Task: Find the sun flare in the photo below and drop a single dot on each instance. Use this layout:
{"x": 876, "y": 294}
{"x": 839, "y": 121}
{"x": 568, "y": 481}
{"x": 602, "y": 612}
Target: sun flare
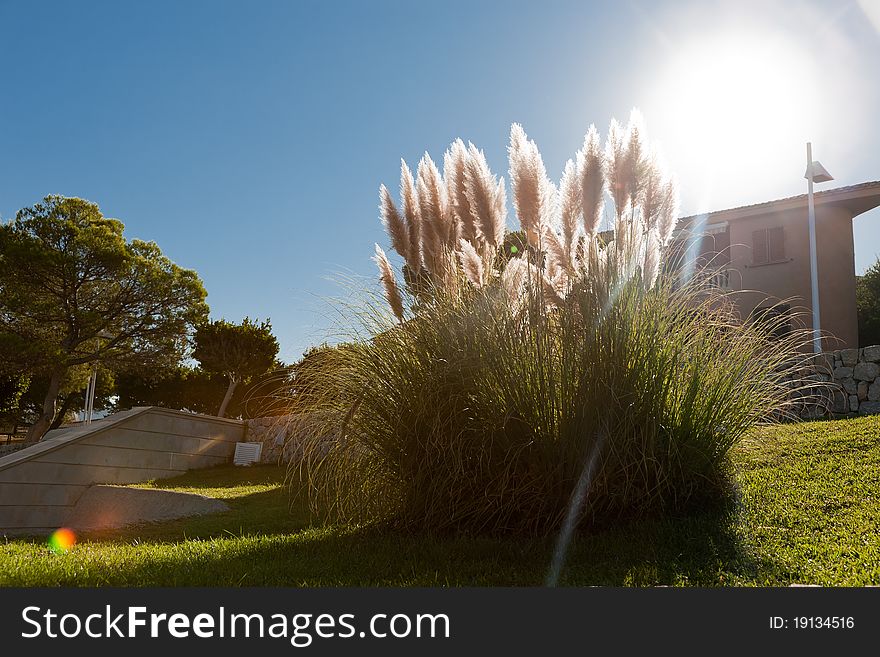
{"x": 734, "y": 106}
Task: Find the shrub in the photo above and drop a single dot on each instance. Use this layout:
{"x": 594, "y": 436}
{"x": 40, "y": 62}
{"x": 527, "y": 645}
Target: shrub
{"x": 573, "y": 384}
{"x": 868, "y": 305}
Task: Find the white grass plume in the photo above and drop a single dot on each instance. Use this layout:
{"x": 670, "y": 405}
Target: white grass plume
{"x": 486, "y": 197}
{"x": 500, "y": 212}
{"x": 615, "y": 165}
{"x": 557, "y": 255}
{"x": 389, "y": 283}
{"x": 410, "y": 202}
{"x": 395, "y": 225}
{"x": 667, "y": 215}
{"x": 454, "y": 164}
{"x": 471, "y": 263}
{"x": 636, "y": 161}
{"x": 651, "y": 263}
{"x": 433, "y": 215}
{"x": 513, "y": 280}
{"x": 533, "y": 193}
{"x": 552, "y": 289}
{"x": 653, "y": 186}
{"x": 570, "y": 200}
{"x": 591, "y": 171}
{"x": 628, "y": 240}
{"x": 457, "y": 220}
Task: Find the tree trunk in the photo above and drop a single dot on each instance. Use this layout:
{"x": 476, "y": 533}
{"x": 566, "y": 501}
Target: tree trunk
{"x": 232, "y": 385}
{"x": 41, "y": 426}
{"x": 64, "y": 410}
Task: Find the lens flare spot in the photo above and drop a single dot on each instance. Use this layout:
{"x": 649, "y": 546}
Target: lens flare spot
{"x": 62, "y": 540}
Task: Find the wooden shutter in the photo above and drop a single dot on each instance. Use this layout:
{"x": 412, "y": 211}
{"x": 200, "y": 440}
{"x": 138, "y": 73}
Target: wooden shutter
{"x": 760, "y": 252}
{"x": 775, "y": 244}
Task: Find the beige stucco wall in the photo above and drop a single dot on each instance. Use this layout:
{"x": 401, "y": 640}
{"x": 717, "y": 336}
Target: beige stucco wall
{"x": 40, "y": 485}
{"x": 789, "y": 281}
{"x": 837, "y": 278}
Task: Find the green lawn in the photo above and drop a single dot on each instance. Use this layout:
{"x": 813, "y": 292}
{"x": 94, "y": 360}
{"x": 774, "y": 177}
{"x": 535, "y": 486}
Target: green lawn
{"x": 807, "y": 511}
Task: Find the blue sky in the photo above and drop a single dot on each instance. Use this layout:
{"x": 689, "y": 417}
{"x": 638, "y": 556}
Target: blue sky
{"x": 249, "y": 139}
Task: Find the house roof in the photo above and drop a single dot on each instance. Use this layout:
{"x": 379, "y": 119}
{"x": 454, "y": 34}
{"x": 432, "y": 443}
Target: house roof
{"x": 854, "y": 198}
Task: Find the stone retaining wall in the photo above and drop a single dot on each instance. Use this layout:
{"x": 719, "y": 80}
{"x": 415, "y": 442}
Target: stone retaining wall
{"x": 283, "y": 439}
{"x": 855, "y": 373}
{"x": 846, "y": 383}
{"x": 272, "y": 433}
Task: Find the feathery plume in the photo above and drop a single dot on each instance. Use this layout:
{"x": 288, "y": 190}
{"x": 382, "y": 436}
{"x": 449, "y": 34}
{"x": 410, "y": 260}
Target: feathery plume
{"x": 499, "y": 214}
{"x": 389, "y": 283}
{"x": 454, "y": 163}
{"x": 394, "y": 224}
{"x": 651, "y": 263}
{"x": 557, "y": 255}
{"x": 551, "y": 288}
{"x": 570, "y": 200}
{"x": 433, "y": 215}
{"x": 486, "y": 197}
{"x": 533, "y": 193}
{"x": 471, "y": 263}
{"x": 458, "y": 219}
{"x": 667, "y": 215}
{"x": 628, "y": 233}
{"x": 615, "y": 165}
{"x": 591, "y": 170}
{"x": 521, "y": 277}
{"x": 411, "y": 215}
{"x": 636, "y": 159}
{"x": 514, "y": 278}
{"x": 652, "y": 196}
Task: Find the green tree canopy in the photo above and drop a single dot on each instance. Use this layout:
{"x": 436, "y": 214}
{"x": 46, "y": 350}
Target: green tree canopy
{"x": 12, "y": 388}
{"x": 74, "y": 291}
{"x": 71, "y": 395}
{"x": 193, "y": 389}
{"x": 184, "y": 388}
{"x": 240, "y": 351}
{"x": 868, "y": 305}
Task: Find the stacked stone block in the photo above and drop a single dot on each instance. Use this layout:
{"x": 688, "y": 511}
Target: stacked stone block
{"x": 857, "y": 372}
{"x": 284, "y": 438}
{"x": 847, "y": 383}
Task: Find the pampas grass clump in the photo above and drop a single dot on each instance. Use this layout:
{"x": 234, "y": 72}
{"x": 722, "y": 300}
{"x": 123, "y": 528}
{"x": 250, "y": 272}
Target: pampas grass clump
{"x": 574, "y": 381}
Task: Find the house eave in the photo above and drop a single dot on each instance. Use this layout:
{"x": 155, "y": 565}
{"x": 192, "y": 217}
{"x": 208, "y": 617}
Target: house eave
{"x": 856, "y": 200}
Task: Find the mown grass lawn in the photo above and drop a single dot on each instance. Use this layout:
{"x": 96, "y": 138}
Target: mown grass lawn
{"x": 806, "y": 510}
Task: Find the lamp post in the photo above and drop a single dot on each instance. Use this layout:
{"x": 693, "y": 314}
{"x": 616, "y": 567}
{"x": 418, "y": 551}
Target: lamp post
{"x": 815, "y": 173}
{"x": 93, "y": 380}
{"x": 90, "y": 396}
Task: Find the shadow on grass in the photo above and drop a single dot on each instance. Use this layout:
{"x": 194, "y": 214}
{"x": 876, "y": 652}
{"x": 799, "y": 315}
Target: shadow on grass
{"x": 256, "y": 514}
{"x": 261, "y": 541}
{"x": 696, "y": 550}
{"x": 223, "y": 476}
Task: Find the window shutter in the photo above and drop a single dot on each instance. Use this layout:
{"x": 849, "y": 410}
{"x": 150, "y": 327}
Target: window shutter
{"x": 775, "y": 244}
{"x": 722, "y": 248}
{"x": 760, "y": 253}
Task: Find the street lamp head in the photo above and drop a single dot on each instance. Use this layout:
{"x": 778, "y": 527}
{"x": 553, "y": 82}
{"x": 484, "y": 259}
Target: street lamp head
{"x": 817, "y": 172}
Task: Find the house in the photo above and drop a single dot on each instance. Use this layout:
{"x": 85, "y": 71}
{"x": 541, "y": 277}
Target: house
{"x": 762, "y": 251}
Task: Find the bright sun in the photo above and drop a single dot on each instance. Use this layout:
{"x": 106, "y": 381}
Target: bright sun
{"x": 731, "y": 107}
